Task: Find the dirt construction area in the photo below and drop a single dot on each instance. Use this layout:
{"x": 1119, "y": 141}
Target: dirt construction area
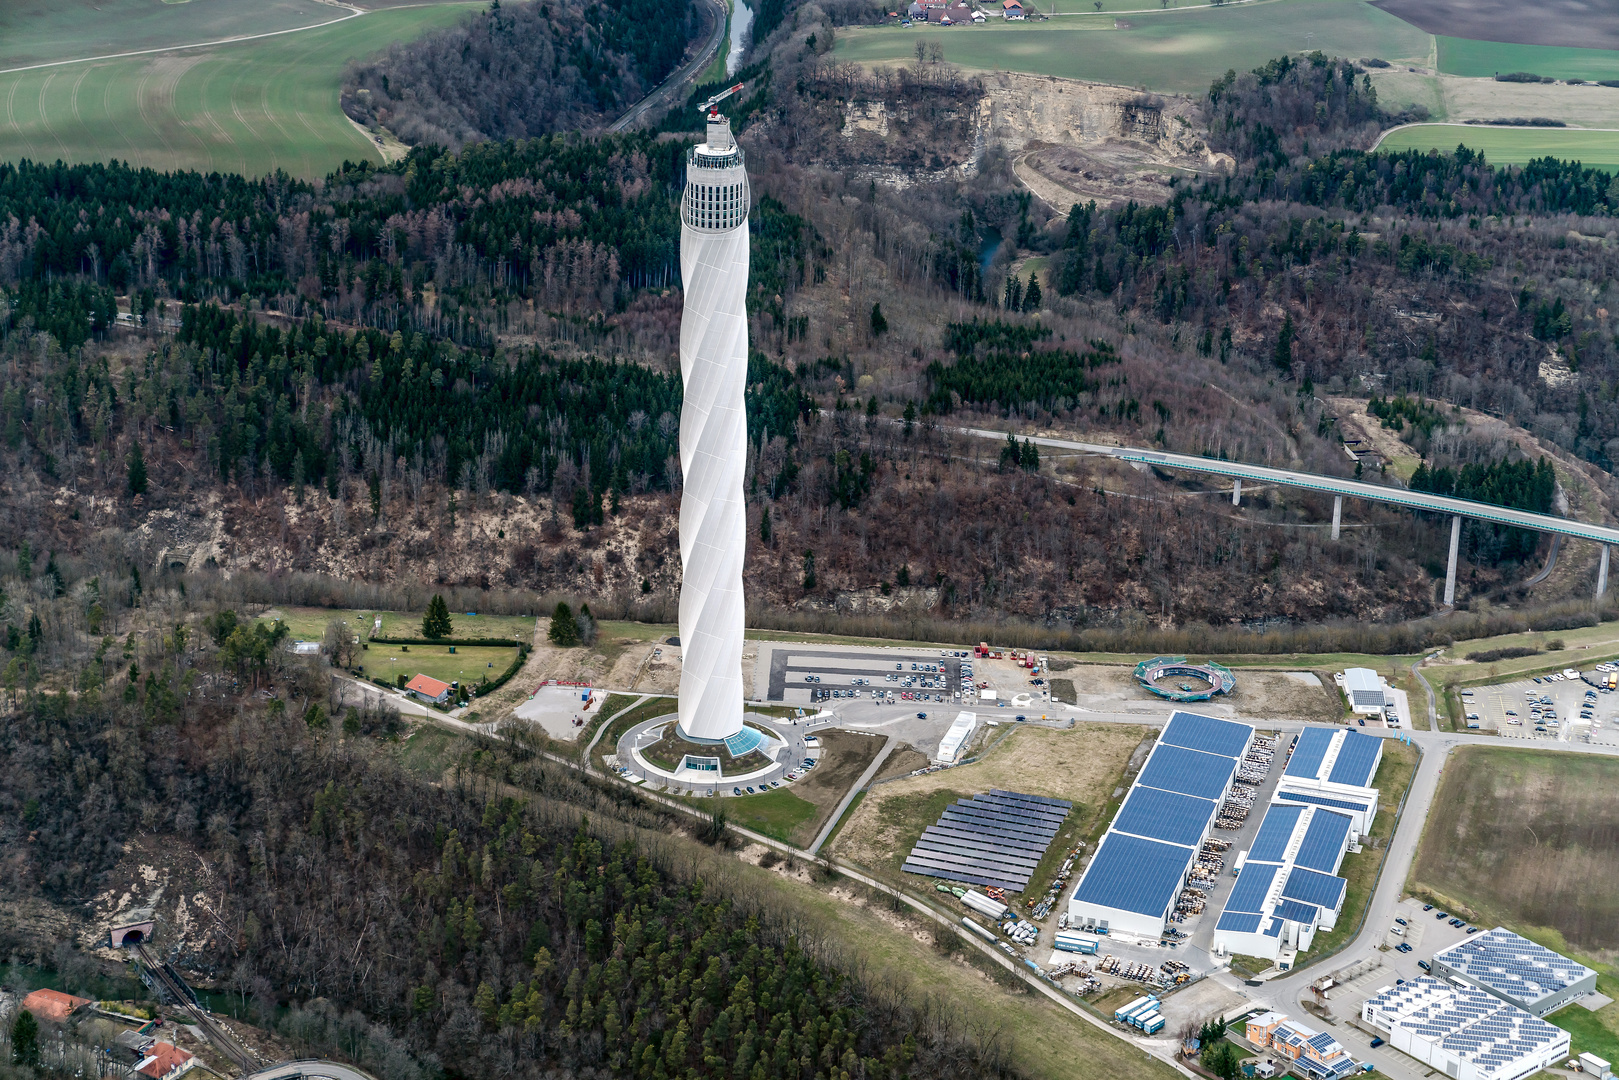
{"x": 1527, "y": 839}
{"x": 1259, "y": 696}
{"x": 1084, "y": 764}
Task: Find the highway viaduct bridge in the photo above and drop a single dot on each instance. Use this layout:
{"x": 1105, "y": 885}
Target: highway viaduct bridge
{"x": 1341, "y": 489}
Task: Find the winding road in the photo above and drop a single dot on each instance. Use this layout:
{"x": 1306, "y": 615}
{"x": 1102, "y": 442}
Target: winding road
{"x": 669, "y": 92}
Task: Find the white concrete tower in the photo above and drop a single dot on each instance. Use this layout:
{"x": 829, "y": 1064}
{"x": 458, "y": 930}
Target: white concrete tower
{"x": 713, "y": 434}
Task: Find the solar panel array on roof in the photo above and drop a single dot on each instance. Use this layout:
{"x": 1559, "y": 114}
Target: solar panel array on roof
{"x": 1164, "y": 815}
{"x": 1207, "y": 734}
{"x": 1357, "y": 760}
{"x": 1239, "y": 922}
{"x": 1322, "y": 890}
{"x": 1298, "y": 911}
{"x": 1472, "y": 1025}
{"x": 1513, "y": 966}
{"x": 1251, "y": 889}
{"x": 1132, "y": 873}
{"x": 1321, "y": 800}
{"x": 997, "y": 838}
{"x": 1309, "y": 752}
{"x": 1270, "y": 844}
{"x": 1190, "y": 772}
{"x": 1324, "y": 841}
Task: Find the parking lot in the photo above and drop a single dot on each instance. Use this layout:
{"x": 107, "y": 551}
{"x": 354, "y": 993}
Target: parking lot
{"x": 1547, "y": 707}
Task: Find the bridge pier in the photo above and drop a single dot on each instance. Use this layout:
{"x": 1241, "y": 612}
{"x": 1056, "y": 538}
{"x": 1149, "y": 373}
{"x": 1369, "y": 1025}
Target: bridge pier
{"x": 1602, "y": 573}
{"x": 1337, "y": 514}
{"x": 1236, "y": 492}
{"x": 1450, "y": 571}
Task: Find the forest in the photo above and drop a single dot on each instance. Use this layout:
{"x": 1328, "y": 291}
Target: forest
{"x": 519, "y": 71}
{"x": 536, "y": 923}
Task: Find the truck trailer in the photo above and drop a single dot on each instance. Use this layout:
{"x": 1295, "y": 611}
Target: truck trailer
{"x": 1068, "y": 941}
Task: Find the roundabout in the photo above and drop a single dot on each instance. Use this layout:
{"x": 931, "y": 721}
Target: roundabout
{"x": 762, "y": 753}
{"x": 1174, "y": 678}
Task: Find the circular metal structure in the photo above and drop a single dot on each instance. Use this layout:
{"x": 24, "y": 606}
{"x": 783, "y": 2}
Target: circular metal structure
{"x": 1216, "y": 678}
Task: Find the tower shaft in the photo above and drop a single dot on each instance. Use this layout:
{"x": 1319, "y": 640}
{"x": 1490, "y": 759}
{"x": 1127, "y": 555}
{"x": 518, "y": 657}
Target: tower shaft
{"x": 713, "y": 434}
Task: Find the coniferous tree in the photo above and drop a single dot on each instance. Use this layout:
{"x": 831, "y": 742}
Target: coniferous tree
{"x": 1031, "y": 295}
{"x": 564, "y": 631}
{"x": 25, "y": 1040}
{"x": 586, "y": 624}
{"x": 1283, "y": 356}
{"x": 436, "y": 623}
{"x": 879, "y": 324}
{"x": 137, "y": 471}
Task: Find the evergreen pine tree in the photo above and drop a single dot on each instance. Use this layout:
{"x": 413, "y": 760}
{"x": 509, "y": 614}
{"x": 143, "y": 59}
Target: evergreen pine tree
{"x": 764, "y": 526}
{"x": 137, "y": 471}
{"x": 25, "y": 1040}
{"x": 586, "y": 624}
{"x": 809, "y": 570}
{"x": 879, "y": 325}
{"x": 564, "y": 632}
{"x": 436, "y": 623}
{"x": 1283, "y": 356}
{"x": 1031, "y": 295}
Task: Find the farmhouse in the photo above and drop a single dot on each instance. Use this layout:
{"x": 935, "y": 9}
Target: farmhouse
{"x": 429, "y": 689}
{"x": 1011, "y": 10}
{"x": 164, "y": 1061}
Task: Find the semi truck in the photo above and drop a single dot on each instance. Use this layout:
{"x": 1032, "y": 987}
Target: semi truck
{"x": 1068, "y": 941}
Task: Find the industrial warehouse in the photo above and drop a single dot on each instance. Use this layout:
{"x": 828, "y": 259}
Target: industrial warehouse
{"x": 1462, "y": 1032}
{"x": 1132, "y": 885}
{"x": 1334, "y": 769}
{"x": 1516, "y": 970}
{"x": 1287, "y": 887}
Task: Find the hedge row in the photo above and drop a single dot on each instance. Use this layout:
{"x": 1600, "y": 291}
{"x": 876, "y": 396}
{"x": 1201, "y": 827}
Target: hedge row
{"x": 516, "y": 666}
{"x": 492, "y": 642}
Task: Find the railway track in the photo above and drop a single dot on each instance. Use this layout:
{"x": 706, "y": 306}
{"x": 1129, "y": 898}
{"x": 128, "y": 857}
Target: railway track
{"x": 215, "y": 1032}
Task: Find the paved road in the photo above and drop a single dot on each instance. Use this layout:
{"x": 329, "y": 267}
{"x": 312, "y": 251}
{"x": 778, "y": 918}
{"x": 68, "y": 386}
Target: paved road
{"x": 314, "y": 1070}
{"x": 848, "y": 796}
{"x": 1330, "y": 485}
{"x": 669, "y": 92}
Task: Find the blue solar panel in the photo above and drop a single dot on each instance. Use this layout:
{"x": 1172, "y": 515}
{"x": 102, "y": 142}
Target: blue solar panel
{"x": 1064, "y": 803}
{"x": 1274, "y": 832}
{"x": 1312, "y": 747}
{"x": 992, "y": 825}
{"x": 1012, "y": 802}
{"x": 1297, "y": 911}
{"x": 1357, "y": 760}
{"x": 1321, "y": 800}
{"x": 1164, "y": 815}
{"x": 1324, "y": 842}
{"x": 957, "y": 875}
{"x": 1013, "y": 817}
{"x": 1248, "y": 894}
{"x": 1196, "y": 732}
{"x": 1239, "y": 922}
{"x": 1009, "y": 859}
{"x": 1190, "y": 772}
{"x": 1134, "y": 874}
{"x": 956, "y": 862}
{"x": 1322, "y": 890}
{"x": 968, "y": 834}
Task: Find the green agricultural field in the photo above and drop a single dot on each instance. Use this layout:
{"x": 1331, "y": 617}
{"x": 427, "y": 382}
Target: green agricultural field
{"x": 1513, "y": 146}
{"x": 1460, "y": 56}
{"x": 1179, "y": 50}
{"x": 45, "y": 31}
{"x": 252, "y": 107}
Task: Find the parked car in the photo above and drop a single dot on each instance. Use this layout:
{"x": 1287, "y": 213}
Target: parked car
{"x": 1404, "y": 946}
{"x": 1402, "y": 922}
{"x": 921, "y": 716}
{"x": 1424, "y": 965}
{"x": 1442, "y": 915}
{"x": 1472, "y": 929}
{"x": 1427, "y": 907}
{"x": 1376, "y": 1043}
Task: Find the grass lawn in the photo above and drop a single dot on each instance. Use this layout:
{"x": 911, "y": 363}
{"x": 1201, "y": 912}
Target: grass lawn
{"x": 469, "y": 664}
{"x": 1361, "y": 869}
{"x": 309, "y": 623}
{"x": 252, "y": 107}
{"x": 1460, "y": 56}
{"x": 1177, "y": 50}
{"x": 41, "y": 31}
{"x": 608, "y": 744}
{"x": 1515, "y": 146}
{"x": 428, "y": 748}
{"x": 778, "y": 813}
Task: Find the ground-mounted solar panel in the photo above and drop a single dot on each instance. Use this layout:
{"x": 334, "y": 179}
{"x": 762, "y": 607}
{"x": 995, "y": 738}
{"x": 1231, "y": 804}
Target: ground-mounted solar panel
{"x": 997, "y": 836}
{"x": 944, "y": 830}
{"x": 1056, "y": 813}
{"x": 1063, "y": 803}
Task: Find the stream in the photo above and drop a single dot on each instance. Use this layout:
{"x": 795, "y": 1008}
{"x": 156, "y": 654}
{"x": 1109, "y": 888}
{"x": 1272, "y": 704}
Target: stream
{"x": 741, "y": 23}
